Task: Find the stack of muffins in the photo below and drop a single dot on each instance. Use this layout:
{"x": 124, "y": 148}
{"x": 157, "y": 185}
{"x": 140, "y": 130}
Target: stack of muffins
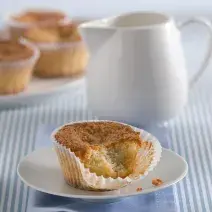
{"x": 46, "y": 44}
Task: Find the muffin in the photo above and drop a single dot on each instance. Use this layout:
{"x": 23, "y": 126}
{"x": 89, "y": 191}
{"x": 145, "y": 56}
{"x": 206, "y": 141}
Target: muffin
{"x": 104, "y": 155}
{"x": 23, "y": 21}
{"x": 17, "y": 60}
{"x": 63, "y": 54}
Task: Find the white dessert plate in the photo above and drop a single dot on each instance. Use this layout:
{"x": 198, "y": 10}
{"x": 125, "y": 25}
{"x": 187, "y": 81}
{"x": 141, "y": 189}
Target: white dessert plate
{"x": 40, "y": 90}
{"x": 41, "y": 171}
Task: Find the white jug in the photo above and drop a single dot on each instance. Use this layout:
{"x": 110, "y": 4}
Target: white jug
{"x": 137, "y": 71}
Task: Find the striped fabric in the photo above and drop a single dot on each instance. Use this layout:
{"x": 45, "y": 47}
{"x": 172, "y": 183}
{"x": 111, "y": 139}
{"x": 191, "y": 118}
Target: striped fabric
{"x": 190, "y": 136}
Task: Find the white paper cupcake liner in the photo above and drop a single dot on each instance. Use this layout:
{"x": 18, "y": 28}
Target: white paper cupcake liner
{"x": 58, "y": 45}
{"x": 61, "y": 59}
{"x": 23, "y": 62}
{"x": 78, "y": 176}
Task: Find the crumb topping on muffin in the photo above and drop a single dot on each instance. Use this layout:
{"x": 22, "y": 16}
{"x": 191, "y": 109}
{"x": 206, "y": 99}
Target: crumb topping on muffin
{"x": 90, "y": 134}
{"x": 13, "y": 50}
{"x": 54, "y": 33}
{"x": 106, "y": 148}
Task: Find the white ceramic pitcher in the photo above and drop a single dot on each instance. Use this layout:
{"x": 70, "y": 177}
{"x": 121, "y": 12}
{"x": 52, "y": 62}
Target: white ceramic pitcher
{"x": 137, "y": 71}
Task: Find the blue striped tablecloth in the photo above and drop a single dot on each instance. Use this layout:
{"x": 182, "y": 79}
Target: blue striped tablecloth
{"x": 190, "y": 135}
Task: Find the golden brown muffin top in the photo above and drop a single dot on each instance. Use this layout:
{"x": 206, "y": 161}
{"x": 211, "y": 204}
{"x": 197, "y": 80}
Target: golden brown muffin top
{"x": 54, "y": 33}
{"x": 13, "y": 50}
{"x": 80, "y": 137}
{"x": 39, "y": 16}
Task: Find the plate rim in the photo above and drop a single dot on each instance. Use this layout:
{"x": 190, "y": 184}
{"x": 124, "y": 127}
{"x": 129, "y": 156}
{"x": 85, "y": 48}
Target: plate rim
{"x": 13, "y": 97}
{"x": 115, "y": 196}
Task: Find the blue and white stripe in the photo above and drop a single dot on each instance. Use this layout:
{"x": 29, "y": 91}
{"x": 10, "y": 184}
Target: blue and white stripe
{"x": 190, "y": 135}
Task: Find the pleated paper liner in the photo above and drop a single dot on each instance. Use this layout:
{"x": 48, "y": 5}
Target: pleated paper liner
{"x": 16, "y": 75}
{"x": 62, "y": 59}
{"x": 78, "y": 176}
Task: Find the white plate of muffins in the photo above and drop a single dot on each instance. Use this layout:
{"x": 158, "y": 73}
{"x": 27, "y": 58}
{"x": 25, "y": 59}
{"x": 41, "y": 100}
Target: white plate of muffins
{"x": 44, "y": 56}
{"x": 101, "y": 161}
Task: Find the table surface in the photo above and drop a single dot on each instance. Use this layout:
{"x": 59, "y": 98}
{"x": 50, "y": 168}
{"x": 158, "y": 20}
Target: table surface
{"x": 190, "y": 135}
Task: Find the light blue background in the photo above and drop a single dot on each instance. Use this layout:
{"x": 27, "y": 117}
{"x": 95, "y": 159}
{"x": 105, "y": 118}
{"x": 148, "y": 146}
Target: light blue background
{"x": 108, "y": 7}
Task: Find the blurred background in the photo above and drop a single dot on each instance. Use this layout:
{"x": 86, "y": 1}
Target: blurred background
{"x": 89, "y": 9}
{"x": 95, "y": 8}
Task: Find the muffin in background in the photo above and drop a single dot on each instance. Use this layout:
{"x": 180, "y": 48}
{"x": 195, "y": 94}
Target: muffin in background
{"x": 63, "y": 53}
{"x": 17, "y": 59}
{"x": 27, "y": 19}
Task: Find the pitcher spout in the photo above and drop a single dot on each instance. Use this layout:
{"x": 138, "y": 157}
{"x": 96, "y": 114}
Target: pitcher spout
{"x": 95, "y": 34}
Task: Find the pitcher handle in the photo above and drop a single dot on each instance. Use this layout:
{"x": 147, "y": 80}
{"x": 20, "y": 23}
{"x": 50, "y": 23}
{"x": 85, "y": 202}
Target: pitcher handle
{"x": 208, "y": 53}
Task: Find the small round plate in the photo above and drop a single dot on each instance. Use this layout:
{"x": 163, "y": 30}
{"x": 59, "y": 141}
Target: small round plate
{"x": 40, "y": 90}
{"x": 41, "y": 171}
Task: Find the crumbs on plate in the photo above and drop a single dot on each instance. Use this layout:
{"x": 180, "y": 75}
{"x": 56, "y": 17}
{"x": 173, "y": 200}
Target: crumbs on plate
{"x": 139, "y": 189}
{"x": 157, "y": 182}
